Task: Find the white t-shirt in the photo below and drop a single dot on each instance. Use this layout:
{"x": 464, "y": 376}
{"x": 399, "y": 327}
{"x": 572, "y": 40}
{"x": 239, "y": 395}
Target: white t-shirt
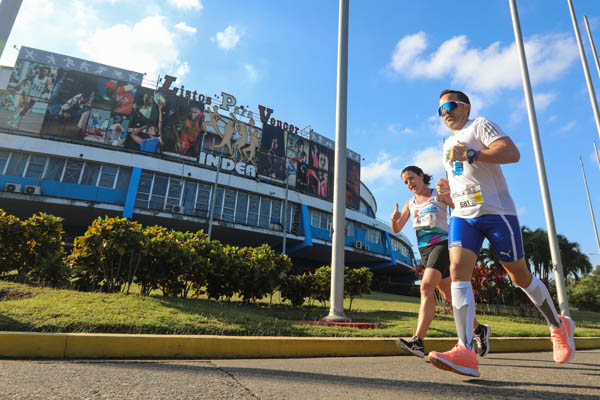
{"x": 479, "y": 188}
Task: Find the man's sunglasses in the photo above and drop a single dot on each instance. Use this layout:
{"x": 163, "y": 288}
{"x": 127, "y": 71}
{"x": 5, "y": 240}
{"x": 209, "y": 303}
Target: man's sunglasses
{"x": 448, "y": 106}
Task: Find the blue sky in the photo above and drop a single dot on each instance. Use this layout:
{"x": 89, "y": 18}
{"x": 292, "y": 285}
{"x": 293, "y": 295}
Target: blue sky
{"x": 283, "y": 54}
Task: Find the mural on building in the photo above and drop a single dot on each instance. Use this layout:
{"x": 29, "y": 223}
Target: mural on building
{"x": 84, "y": 101}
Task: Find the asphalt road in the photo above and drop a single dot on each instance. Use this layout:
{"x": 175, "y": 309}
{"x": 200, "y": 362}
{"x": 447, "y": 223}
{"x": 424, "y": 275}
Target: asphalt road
{"x": 503, "y": 376}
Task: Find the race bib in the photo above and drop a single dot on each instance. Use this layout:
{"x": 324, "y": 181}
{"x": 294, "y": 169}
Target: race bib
{"x": 469, "y": 197}
{"x": 424, "y": 220}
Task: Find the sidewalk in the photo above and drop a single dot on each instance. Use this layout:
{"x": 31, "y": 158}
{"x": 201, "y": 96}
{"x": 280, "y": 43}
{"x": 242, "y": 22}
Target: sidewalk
{"x": 98, "y": 346}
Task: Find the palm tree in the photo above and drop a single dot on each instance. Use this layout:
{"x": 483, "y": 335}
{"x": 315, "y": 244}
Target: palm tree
{"x": 539, "y": 258}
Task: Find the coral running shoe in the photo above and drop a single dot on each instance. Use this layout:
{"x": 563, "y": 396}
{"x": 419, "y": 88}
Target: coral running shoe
{"x": 562, "y": 340}
{"x": 459, "y": 360}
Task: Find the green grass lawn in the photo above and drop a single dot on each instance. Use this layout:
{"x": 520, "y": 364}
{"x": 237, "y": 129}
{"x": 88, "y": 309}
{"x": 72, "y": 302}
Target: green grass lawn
{"x": 33, "y": 309}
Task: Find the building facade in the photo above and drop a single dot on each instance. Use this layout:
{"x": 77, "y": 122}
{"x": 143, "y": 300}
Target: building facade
{"x": 81, "y": 140}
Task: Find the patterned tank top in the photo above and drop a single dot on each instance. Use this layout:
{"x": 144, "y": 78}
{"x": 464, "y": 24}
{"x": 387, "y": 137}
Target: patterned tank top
{"x": 429, "y": 219}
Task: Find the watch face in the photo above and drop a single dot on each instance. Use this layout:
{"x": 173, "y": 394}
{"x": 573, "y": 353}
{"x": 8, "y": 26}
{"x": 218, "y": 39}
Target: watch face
{"x": 471, "y": 155}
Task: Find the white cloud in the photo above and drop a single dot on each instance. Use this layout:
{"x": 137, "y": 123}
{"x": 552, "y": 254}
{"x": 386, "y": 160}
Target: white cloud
{"x": 251, "y": 72}
{"x": 147, "y": 46}
{"x": 486, "y": 69}
{"x": 390, "y": 167}
{"x": 407, "y": 49}
{"x": 398, "y": 129}
{"x": 430, "y": 160}
{"x": 567, "y": 127}
{"x": 183, "y": 69}
{"x": 521, "y": 211}
{"x": 187, "y": 4}
{"x": 227, "y": 39}
{"x": 185, "y": 27}
{"x": 384, "y": 167}
{"x": 541, "y": 101}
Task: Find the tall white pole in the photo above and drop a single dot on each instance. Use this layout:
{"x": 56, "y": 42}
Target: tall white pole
{"x": 596, "y": 150}
{"x": 336, "y": 310}
{"x": 541, "y": 168}
{"x": 586, "y": 70}
{"x": 213, "y": 199}
{"x": 285, "y": 214}
{"x": 589, "y": 32}
{"x": 8, "y": 14}
{"x": 587, "y": 191}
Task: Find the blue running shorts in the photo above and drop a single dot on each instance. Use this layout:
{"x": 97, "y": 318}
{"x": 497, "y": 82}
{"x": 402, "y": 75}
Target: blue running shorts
{"x": 503, "y": 232}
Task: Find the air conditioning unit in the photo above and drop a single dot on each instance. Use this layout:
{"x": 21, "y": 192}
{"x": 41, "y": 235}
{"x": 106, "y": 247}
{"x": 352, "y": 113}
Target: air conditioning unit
{"x": 30, "y": 189}
{"x": 358, "y": 244}
{"x": 176, "y": 209}
{"x": 169, "y": 207}
{"x": 12, "y": 187}
{"x": 275, "y": 226}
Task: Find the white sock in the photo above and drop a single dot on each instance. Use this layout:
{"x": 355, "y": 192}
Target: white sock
{"x": 463, "y": 304}
{"x": 539, "y": 295}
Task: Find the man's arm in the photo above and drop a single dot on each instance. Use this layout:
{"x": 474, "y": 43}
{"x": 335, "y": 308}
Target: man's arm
{"x": 500, "y": 151}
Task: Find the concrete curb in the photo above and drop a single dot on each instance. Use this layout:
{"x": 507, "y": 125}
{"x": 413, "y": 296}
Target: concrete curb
{"x": 93, "y": 345}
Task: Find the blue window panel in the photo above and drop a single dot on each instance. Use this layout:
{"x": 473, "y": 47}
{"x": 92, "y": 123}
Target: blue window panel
{"x": 16, "y": 164}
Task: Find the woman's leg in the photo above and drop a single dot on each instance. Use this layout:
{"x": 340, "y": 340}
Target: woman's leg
{"x": 431, "y": 279}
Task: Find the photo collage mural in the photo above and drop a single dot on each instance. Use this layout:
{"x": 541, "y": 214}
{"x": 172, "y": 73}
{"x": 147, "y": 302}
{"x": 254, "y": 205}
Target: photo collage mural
{"x": 84, "y": 101}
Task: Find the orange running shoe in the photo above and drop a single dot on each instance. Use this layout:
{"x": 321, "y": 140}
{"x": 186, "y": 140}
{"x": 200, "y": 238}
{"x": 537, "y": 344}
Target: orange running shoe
{"x": 562, "y": 340}
{"x": 459, "y": 360}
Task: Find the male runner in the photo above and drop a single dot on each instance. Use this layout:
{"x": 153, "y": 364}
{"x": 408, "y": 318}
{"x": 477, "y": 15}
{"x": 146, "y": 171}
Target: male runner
{"x": 484, "y": 210}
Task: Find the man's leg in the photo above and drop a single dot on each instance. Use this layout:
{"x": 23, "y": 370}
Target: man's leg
{"x": 462, "y": 262}
{"x": 561, "y": 328}
{"x": 481, "y": 332}
{"x": 504, "y": 233}
{"x": 465, "y": 241}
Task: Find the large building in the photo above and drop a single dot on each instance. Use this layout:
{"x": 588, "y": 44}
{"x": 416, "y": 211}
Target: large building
{"x": 79, "y": 139}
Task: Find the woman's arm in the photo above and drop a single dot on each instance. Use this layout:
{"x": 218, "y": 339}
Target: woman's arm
{"x": 399, "y": 217}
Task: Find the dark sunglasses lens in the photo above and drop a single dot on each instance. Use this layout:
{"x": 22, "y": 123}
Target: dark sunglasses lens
{"x": 449, "y": 106}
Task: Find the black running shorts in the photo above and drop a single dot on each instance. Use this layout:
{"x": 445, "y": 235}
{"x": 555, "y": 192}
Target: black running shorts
{"x": 437, "y": 256}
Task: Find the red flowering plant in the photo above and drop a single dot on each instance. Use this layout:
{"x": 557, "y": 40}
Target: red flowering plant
{"x": 489, "y": 280}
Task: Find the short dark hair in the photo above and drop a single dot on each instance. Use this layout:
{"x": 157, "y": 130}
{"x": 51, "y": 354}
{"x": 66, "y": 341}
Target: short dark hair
{"x": 418, "y": 171}
{"x": 461, "y": 96}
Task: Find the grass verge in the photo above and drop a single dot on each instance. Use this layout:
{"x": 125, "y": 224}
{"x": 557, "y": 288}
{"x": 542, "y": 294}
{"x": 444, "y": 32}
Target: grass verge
{"x": 32, "y": 309}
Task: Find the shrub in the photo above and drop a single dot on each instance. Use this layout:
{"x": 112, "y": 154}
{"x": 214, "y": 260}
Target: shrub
{"x": 260, "y": 269}
{"x": 321, "y": 285}
{"x": 296, "y": 288}
{"x": 357, "y": 281}
{"x": 585, "y": 292}
{"x": 200, "y": 247}
{"x": 166, "y": 260}
{"x": 12, "y": 233}
{"x": 43, "y": 257}
{"x": 107, "y": 255}
{"x": 223, "y": 278}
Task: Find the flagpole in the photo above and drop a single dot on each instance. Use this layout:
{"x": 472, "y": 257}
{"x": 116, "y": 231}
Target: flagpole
{"x": 541, "y": 169}
{"x": 587, "y": 191}
{"x": 9, "y": 9}
{"x": 336, "y": 310}
{"x": 586, "y": 70}
{"x": 589, "y": 32}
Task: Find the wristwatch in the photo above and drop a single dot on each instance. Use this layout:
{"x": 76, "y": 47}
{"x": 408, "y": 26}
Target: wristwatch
{"x": 471, "y": 155}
